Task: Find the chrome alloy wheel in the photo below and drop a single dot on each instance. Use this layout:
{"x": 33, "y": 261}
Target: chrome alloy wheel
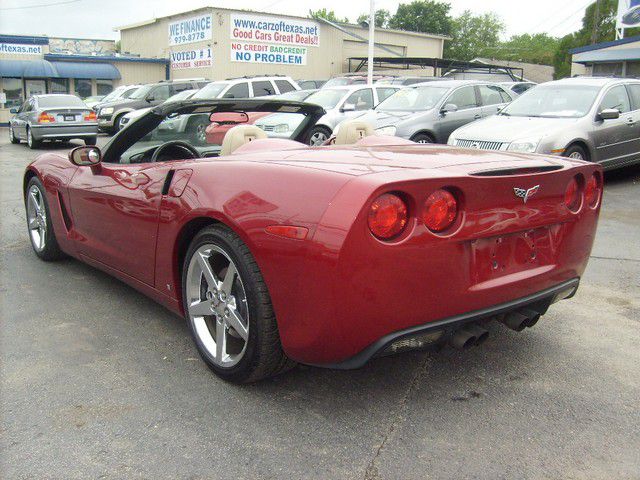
{"x": 201, "y": 133}
{"x": 576, "y": 155}
{"x": 37, "y": 218}
{"x": 217, "y": 305}
{"x": 317, "y": 139}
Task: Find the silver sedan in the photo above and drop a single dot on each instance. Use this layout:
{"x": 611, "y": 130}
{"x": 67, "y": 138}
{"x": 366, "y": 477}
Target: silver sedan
{"x": 596, "y": 119}
{"x": 53, "y": 117}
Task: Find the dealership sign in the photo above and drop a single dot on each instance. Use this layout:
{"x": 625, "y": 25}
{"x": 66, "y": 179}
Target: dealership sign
{"x": 195, "y": 58}
{"x": 190, "y": 30}
{"x": 269, "y": 29}
{"x": 20, "y": 49}
{"x": 271, "y": 54}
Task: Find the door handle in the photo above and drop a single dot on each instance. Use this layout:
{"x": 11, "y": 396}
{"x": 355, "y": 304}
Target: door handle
{"x": 477, "y": 116}
{"x": 630, "y": 121}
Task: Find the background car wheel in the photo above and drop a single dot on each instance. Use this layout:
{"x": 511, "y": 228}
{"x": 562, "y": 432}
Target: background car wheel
{"x": 32, "y": 142}
{"x": 12, "y": 135}
{"x": 576, "y": 152}
{"x": 121, "y": 123}
{"x": 318, "y": 135}
{"x": 91, "y": 140}
{"x": 197, "y": 130}
{"x": 423, "y": 138}
{"x": 43, "y": 239}
{"x": 116, "y": 124}
{"x": 229, "y": 310}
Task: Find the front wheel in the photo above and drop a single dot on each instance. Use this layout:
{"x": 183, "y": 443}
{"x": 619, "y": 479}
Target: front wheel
{"x": 422, "y": 138}
{"x": 576, "y": 152}
{"x": 228, "y": 308}
{"x": 12, "y": 135}
{"x": 318, "y": 135}
{"x": 43, "y": 239}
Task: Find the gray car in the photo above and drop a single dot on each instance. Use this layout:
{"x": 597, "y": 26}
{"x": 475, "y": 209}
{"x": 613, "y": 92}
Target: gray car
{"x": 429, "y": 112}
{"x": 53, "y": 117}
{"x": 596, "y": 119}
{"x": 340, "y": 103}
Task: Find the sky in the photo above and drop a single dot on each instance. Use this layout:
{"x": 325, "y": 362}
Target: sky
{"x": 97, "y": 18}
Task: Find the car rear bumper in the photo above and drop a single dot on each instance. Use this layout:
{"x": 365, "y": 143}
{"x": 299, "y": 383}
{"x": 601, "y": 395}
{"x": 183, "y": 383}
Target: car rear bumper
{"x": 422, "y": 335}
{"x": 43, "y": 132}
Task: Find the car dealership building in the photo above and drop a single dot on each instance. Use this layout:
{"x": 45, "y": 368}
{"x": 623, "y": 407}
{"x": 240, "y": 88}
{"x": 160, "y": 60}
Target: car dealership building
{"x": 210, "y": 43}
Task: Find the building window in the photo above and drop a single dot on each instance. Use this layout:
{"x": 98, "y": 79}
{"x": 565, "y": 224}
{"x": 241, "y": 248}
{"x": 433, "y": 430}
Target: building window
{"x": 59, "y": 85}
{"x": 12, "y": 87}
{"x": 607, "y": 69}
{"x": 82, "y": 88}
{"x": 633, "y": 69}
{"x": 104, "y": 87}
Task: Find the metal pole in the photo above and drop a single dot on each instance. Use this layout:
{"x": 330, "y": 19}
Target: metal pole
{"x": 372, "y": 26}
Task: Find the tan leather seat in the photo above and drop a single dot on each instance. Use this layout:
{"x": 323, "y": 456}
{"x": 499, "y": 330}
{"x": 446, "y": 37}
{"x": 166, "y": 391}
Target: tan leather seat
{"x": 351, "y": 131}
{"x": 238, "y": 136}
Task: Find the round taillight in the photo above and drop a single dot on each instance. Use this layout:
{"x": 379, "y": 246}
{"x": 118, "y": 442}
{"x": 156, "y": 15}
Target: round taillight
{"x": 387, "y": 216}
{"x": 592, "y": 191}
{"x": 572, "y": 195}
{"x": 440, "y": 210}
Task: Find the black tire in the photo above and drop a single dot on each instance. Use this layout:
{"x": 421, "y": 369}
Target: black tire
{"x": 575, "y": 151}
{"x": 32, "y": 142}
{"x": 12, "y": 136}
{"x": 318, "y": 135}
{"x": 91, "y": 140}
{"x": 116, "y": 124}
{"x": 263, "y": 356}
{"x": 423, "y": 138}
{"x": 51, "y": 250}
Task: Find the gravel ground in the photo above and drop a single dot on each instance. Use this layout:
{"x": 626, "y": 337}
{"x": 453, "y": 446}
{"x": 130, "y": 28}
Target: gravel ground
{"x": 98, "y": 381}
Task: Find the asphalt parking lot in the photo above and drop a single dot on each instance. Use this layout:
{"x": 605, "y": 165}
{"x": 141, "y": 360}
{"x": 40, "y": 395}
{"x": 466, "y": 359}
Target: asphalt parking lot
{"x": 100, "y": 382}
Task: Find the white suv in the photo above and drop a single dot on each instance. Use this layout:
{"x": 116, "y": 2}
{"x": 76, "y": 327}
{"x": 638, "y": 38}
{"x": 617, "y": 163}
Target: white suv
{"x": 247, "y": 87}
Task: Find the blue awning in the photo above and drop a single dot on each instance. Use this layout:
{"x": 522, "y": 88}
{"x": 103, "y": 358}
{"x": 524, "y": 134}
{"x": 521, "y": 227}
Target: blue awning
{"x": 86, "y": 70}
{"x": 27, "y": 68}
{"x": 45, "y": 69}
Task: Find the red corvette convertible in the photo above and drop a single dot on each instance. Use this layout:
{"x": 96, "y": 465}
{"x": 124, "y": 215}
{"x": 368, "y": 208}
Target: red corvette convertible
{"x": 277, "y": 252}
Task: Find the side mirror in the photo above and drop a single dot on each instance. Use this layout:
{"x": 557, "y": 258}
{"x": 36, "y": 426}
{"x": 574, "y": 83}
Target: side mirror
{"x": 14, "y": 110}
{"x": 85, "y": 156}
{"x": 348, "y": 107}
{"x": 609, "y": 114}
{"x": 449, "y": 107}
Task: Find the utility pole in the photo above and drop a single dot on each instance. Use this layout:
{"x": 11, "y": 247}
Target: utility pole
{"x": 372, "y": 26}
{"x": 596, "y": 20}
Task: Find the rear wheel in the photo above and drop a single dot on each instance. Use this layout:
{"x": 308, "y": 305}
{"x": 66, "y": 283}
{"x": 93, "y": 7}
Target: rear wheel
{"x": 12, "y": 135}
{"x": 229, "y": 310}
{"x": 43, "y": 239}
{"x": 423, "y": 138}
{"x": 32, "y": 142}
{"x": 576, "y": 152}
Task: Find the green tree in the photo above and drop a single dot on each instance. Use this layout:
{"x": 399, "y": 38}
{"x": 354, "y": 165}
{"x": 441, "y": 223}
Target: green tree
{"x": 381, "y": 18}
{"x": 473, "y": 35}
{"x": 537, "y": 48}
{"x": 327, "y": 15}
{"x": 426, "y": 16}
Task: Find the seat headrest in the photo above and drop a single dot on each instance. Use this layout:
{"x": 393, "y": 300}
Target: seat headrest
{"x": 238, "y": 136}
{"x": 351, "y": 131}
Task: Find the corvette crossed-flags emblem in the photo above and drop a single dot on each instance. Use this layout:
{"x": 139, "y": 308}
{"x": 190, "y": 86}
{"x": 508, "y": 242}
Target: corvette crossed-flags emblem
{"x": 525, "y": 194}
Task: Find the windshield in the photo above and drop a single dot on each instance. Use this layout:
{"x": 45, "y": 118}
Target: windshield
{"x": 296, "y": 95}
{"x": 415, "y": 98}
{"x": 327, "y": 98}
{"x": 554, "y": 101}
{"x": 211, "y": 90}
{"x": 337, "y": 82}
{"x": 180, "y": 96}
{"x": 142, "y": 91}
{"x": 115, "y": 94}
{"x": 129, "y": 92}
{"x": 60, "y": 101}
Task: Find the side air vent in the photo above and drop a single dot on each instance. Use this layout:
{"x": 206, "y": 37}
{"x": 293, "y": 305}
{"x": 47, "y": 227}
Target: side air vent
{"x": 65, "y": 214}
{"x": 505, "y": 172}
